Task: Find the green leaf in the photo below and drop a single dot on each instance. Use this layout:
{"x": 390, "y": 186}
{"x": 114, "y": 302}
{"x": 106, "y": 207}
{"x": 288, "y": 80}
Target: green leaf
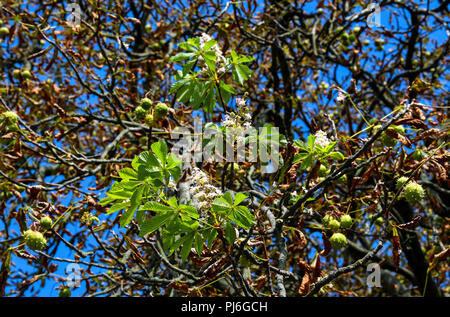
{"x": 337, "y": 155}
{"x": 149, "y": 159}
{"x": 220, "y": 205}
{"x": 188, "y": 66}
{"x": 198, "y": 243}
{"x": 190, "y": 210}
{"x": 210, "y": 100}
{"x": 173, "y": 161}
{"x": 126, "y": 217}
{"x": 154, "y": 223}
{"x": 181, "y": 57}
{"x": 155, "y": 206}
{"x": 228, "y": 88}
{"x": 239, "y": 198}
{"x": 238, "y": 74}
{"x": 137, "y": 195}
{"x": 210, "y": 235}
{"x": 195, "y": 42}
{"x": 140, "y": 217}
{"x": 173, "y": 202}
{"x": 210, "y": 60}
{"x": 184, "y": 93}
{"x": 209, "y": 44}
{"x": 311, "y": 140}
{"x": 228, "y": 197}
{"x": 160, "y": 150}
{"x": 329, "y": 147}
{"x": 299, "y": 156}
{"x": 307, "y": 162}
{"x": 187, "y": 245}
{"x": 117, "y": 207}
{"x": 128, "y": 173}
{"x": 120, "y": 194}
{"x": 178, "y": 84}
{"x": 196, "y": 97}
{"x": 107, "y": 200}
{"x": 234, "y": 57}
{"x": 230, "y": 233}
{"x": 187, "y": 46}
{"x": 242, "y": 217}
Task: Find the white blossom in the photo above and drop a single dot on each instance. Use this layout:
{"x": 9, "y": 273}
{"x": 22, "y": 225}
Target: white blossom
{"x": 229, "y": 121}
{"x": 341, "y": 97}
{"x": 321, "y": 139}
{"x": 205, "y": 38}
{"x": 202, "y": 191}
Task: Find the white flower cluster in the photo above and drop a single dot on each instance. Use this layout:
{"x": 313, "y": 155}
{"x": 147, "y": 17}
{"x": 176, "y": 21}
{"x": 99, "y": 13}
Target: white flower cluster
{"x": 321, "y": 139}
{"x": 240, "y": 119}
{"x": 221, "y": 60}
{"x": 203, "y": 193}
{"x": 341, "y": 97}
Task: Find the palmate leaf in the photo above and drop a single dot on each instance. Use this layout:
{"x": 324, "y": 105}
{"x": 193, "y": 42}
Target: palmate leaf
{"x": 155, "y": 222}
{"x": 149, "y": 159}
{"x": 238, "y": 198}
{"x": 209, "y": 44}
{"x": 160, "y": 150}
{"x": 187, "y": 245}
{"x": 337, "y": 156}
{"x": 242, "y": 217}
{"x": 155, "y": 206}
{"x": 210, "y": 101}
{"x": 178, "y": 84}
{"x": 135, "y": 201}
{"x": 241, "y": 73}
{"x": 230, "y": 233}
{"x": 117, "y": 207}
{"x": 128, "y": 173}
{"x": 198, "y": 243}
{"x": 307, "y": 162}
{"x": 181, "y": 57}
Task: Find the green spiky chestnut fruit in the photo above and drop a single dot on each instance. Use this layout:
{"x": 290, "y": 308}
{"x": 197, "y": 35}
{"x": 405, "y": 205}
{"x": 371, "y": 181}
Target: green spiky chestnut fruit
{"x": 342, "y": 179}
{"x": 140, "y": 112}
{"x": 9, "y": 116}
{"x": 146, "y": 103}
{"x": 326, "y": 220}
{"x": 46, "y": 222}
{"x": 379, "y": 221}
{"x": 413, "y": 192}
{"x": 34, "y": 240}
{"x": 346, "y": 221}
{"x": 334, "y": 224}
{"x": 338, "y": 241}
{"x": 160, "y": 110}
